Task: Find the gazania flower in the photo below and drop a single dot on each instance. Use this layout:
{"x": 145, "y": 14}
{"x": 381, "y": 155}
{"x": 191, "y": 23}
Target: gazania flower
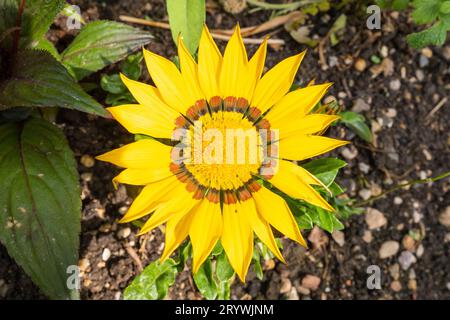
{"x": 214, "y": 200}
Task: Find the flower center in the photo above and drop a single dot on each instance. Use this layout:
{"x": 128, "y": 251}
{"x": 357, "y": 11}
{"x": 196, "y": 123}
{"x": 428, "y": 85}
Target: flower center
{"x": 222, "y": 146}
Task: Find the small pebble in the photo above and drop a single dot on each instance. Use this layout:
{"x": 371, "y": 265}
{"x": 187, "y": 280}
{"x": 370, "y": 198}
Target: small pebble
{"x": 391, "y": 113}
{"x": 367, "y": 236}
{"x": 311, "y": 282}
{"x": 389, "y": 249}
{"x": 360, "y": 105}
{"x": 286, "y": 285}
{"x": 106, "y": 254}
{"x": 339, "y": 237}
{"x": 398, "y": 201}
{"x": 448, "y": 285}
{"x": 384, "y": 51}
{"x": 423, "y": 61}
{"x": 408, "y": 243}
{"x": 396, "y": 286}
{"x": 420, "y": 250}
{"x": 444, "y": 217}
{"x": 363, "y": 167}
{"x": 365, "y": 194}
{"x": 394, "y": 271}
{"x": 83, "y": 264}
{"x": 395, "y": 84}
{"x": 412, "y": 285}
{"x": 303, "y": 291}
{"x": 375, "y": 219}
{"x": 360, "y": 64}
{"x": 349, "y": 153}
{"x": 293, "y": 295}
{"x": 406, "y": 259}
{"x": 124, "y": 233}
{"x": 87, "y": 161}
{"x": 427, "y": 52}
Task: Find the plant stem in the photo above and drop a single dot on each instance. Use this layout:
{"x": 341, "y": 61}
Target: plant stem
{"x": 18, "y": 25}
{"x": 400, "y": 186}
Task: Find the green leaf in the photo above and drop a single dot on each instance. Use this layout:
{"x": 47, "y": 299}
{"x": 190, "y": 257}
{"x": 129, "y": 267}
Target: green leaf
{"x": 38, "y": 80}
{"x": 47, "y": 45}
{"x": 400, "y": 4}
{"x": 324, "y": 165}
{"x": 101, "y": 43}
{"x": 224, "y": 271}
{"x": 425, "y": 11}
{"x": 131, "y": 66}
{"x": 304, "y": 221}
{"x": 186, "y": 17}
{"x": 205, "y": 282}
{"x": 257, "y": 264}
{"x": 445, "y": 7}
{"x": 37, "y": 17}
{"x": 112, "y": 84}
{"x": 336, "y": 189}
{"x": 39, "y": 203}
{"x": 356, "y": 122}
{"x": 435, "y": 35}
{"x": 153, "y": 283}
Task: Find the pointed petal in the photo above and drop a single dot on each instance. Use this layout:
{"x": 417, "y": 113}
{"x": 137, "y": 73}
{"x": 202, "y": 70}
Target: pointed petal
{"x": 262, "y": 229}
{"x": 169, "y": 82}
{"x": 275, "y": 210}
{"x": 237, "y": 238}
{"x": 181, "y": 202}
{"x": 294, "y": 181}
{"x": 209, "y": 63}
{"x": 255, "y": 69}
{"x": 300, "y": 146}
{"x": 189, "y": 69}
{"x": 151, "y": 196}
{"x": 234, "y": 74}
{"x": 276, "y": 82}
{"x": 149, "y": 96}
{"x": 138, "y": 118}
{"x": 145, "y": 153}
{"x": 308, "y": 124}
{"x": 297, "y": 103}
{"x": 141, "y": 177}
{"x": 205, "y": 230}
{"x": 177, "y": 229}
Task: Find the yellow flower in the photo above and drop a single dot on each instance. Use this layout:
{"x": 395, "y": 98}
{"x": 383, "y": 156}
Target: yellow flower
{"x": 220, "y": 199}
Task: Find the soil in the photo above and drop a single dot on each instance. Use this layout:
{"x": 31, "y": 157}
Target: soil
{"x": 411, "y": 143}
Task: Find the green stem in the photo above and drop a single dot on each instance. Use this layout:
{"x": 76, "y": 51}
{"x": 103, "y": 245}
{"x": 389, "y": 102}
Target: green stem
{"x": 400, "y": 186}
{"x": 282, "y": 6}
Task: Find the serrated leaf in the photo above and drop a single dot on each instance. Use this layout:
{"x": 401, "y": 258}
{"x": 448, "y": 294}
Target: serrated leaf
{"x": 39, "y": 203}
{"x": 47, "y": 45}
{"x": 435, "y": 35}
{"x": 186, "y": 18}
{"x": 356, "y": 122}
{"x": 38, "y": 80}
{"x": 425, "y": 11}
{"x": 36, "y": 19}
{"x": 101, "y": 43}
{"x": 205, "y": 282}
{"x": 153, "y": 283}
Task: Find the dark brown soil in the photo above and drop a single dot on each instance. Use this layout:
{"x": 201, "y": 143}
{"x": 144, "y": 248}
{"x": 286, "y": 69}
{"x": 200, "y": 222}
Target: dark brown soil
{"x": 410, "y": 144}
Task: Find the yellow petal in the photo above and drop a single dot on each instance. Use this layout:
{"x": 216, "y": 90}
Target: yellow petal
{"x": 297, "y": 103}
{"x": 138, "y": 118}
{"x": 189, "y": 69}
{"x": 140, "y": 177}
{"x": 275, "y": 210}
{"x": 237, "y": 238}
{"x": 255, "y": 69}
{"x": 294, "y": 181}
{"x": 308, "y": 124}
{"x": 234, "y": 74}
{"x": 300, "y": 146}
{"x": 169, "y": 82}
{"x": 261, "y": 228}
{"x": 145, "y": 153}
{"x": 177, "y": 229}
{"x": 149, "y": 96}
{"x": 205, "y": 230}
{"x": 181, "y": 202}
{"x": 209, "y": 63}
{"x": 276, "y": 82}
{"x": 151, "y": 196}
